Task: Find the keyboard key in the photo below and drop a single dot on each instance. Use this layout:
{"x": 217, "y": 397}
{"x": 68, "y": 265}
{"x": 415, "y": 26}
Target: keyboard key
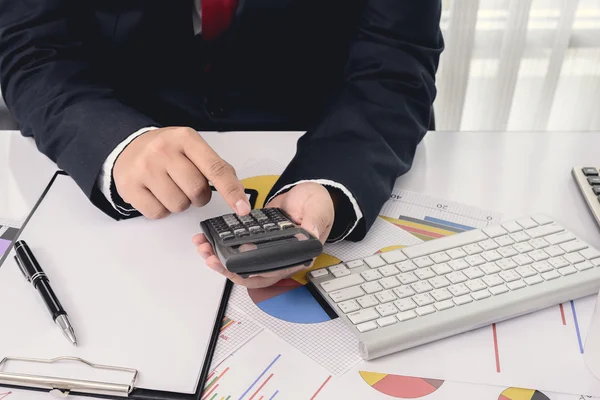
{"x": 367, "y": 301}
{"x": 367, "y": 326}
{"x": 539, "y": 243}
{"x": 574, "y": 245}
{"x": 456, "y": 277}
{"x": 424, "y": 273}
{"x": 473, "y": 273}
{"x": 406, "y": 266}
{"x": 507, "y": 251}
{"x": 394, "y": 256}
{"x": 370, "y": 275}
{"x": 458, "y": 265}
{"x": 498, "y": 289}
{"x": 526, "y": 271}
{"x": 533, "y": 280}
{"x": 504, "y": 240}
{"x": 385, "y": 321}
{"x": 374, "y": 261}
{"x": 371, "y": 287}
{"x": 423, "y": 299}
{"x": 567, "y": 270}
{"x": 488, "y": 244}
{"x": 491, "y": 255}
{"x": 341, "y": 272}
{"x": 388, "y": 270}
{"x": 405, "y": 316}
{"x": 492, "y": 280}
{"x": 475, "y": 260}
{"x": 582, "y": 266}
{"x": 589, "y": 171}
{"x": 422, "y": 262}
{"x": 440, "y": 257}
{"x": 458, "y": 290}
{"x": 523, "y": 247}
{"x": 509, "y": 275}
{"x": 341, "y": 283}
{"x": 539, "y": 255}
{"x": 475, "y": 285}
{"x": 404, "y": 291}
{"x": 348, "y": 306}
{"x": 441, "y": 294}
{"x": 590, "y": 253}
{"x": 506, "y": 264}
{"x": 516, "y": 285}
{"x": 444, "y": 305}
{"x": 422, "y": 286}
{"x": 522, "y": 259}
{"x": 554, "y": 251}
{"x": 542, "y": 219}
{"x": 561, "y": 237}
{"x": 550, "y": 275}
{"x": 456, "y": 253}
{"x": 473, "y": 248}
{"x": 462, "y": 300}
{"x": 346, "y": 294}
{"x": 512, "y": 226}
{"x": 389, "y": 282}
{"x": 490, "y": 268}
{"x": 558, "y": 262}
{"x": 593, "y": 180}
{"x": 319, "y": 272}
{"x": 520, "y": 237}
{"x": 439, "y": 282}
{"x": 526, "y": 223}
{"x": 425, "y": 310}
{"x": 405, "y": 304}
{"x": 407, "y": 278}
{"x": 364, "y": 315}
{"x": 494, "y": 231}
{"x": 386, "y": 309}
{"x": 482, "y": 294}
{"x": 386, "y": 296}
{"x": 542, "y": 266}
{"x": 355, "y": 264}
{"x": 442, "y": 269}
{"x": 574, "y": 258}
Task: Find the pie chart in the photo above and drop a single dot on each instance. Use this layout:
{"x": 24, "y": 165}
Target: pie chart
{"x": 400, "y": 386}
{"x": 522, "y": 394}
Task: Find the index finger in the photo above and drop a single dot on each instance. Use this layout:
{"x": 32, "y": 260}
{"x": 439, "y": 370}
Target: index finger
{"x": 219, "y": 172}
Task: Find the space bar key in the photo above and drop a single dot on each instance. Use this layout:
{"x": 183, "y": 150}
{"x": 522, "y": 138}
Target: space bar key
{"x": 444, "y": 243}
{"x": 342, "y": 283}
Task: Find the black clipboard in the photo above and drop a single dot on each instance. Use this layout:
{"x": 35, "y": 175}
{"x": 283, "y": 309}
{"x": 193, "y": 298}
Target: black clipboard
{"x": 134, "y": 393}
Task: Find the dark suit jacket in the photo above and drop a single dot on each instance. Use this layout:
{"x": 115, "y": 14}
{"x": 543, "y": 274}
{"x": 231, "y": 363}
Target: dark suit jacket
{"x": 79, "y": 76}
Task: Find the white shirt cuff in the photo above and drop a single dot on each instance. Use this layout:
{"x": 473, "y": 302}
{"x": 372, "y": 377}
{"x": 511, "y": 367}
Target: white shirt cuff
{"x": 326, "y": 182}
{"x": 105, "y": 177}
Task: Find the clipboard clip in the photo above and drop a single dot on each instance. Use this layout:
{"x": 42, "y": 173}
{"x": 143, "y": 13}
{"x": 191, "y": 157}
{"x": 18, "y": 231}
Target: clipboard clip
{"x": 61, "y": 387}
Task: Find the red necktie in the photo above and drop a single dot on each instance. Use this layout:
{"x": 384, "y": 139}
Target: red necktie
{"x": 216, "y": 17}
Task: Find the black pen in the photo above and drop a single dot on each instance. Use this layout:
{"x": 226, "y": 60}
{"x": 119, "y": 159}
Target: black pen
{"x": 33, "y": 273}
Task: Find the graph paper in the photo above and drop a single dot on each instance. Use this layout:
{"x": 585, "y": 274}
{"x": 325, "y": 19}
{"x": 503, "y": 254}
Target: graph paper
{"x": 236, "y": 330}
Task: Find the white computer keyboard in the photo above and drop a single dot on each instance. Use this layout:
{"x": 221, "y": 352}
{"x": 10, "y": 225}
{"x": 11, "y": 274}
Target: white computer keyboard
{"x": 404, "y": 298}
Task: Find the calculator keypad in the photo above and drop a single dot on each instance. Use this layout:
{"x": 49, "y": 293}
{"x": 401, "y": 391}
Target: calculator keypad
{"x": 258, "y": 221}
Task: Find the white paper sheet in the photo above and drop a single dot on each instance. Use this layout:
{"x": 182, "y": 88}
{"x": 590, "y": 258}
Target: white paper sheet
{"x": 137, "y": 292}
{"x": 592, "y": 342}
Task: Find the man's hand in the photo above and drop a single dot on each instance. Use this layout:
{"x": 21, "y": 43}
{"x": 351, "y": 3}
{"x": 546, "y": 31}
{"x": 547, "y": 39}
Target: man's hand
{"x": 166, "y": 170}
{"x": 309, "y": 204}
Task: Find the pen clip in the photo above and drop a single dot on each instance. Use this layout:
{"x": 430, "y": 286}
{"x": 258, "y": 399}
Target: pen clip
{"x": 22, "y": 268}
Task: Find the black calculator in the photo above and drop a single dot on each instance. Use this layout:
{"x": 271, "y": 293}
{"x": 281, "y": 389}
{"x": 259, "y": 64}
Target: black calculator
{"x": 265, "y": 240}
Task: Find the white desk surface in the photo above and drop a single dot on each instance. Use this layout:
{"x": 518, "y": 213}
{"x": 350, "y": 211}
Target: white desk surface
{"x": 516, "y": 173}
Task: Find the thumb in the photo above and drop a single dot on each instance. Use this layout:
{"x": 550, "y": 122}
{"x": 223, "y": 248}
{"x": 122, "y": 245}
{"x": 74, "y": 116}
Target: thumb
{"x": 317, "y": 218}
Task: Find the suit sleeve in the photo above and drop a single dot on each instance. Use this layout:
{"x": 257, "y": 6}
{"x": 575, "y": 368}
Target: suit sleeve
{"x": 55, "y": 88}
{"x": 368, "y": 136}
